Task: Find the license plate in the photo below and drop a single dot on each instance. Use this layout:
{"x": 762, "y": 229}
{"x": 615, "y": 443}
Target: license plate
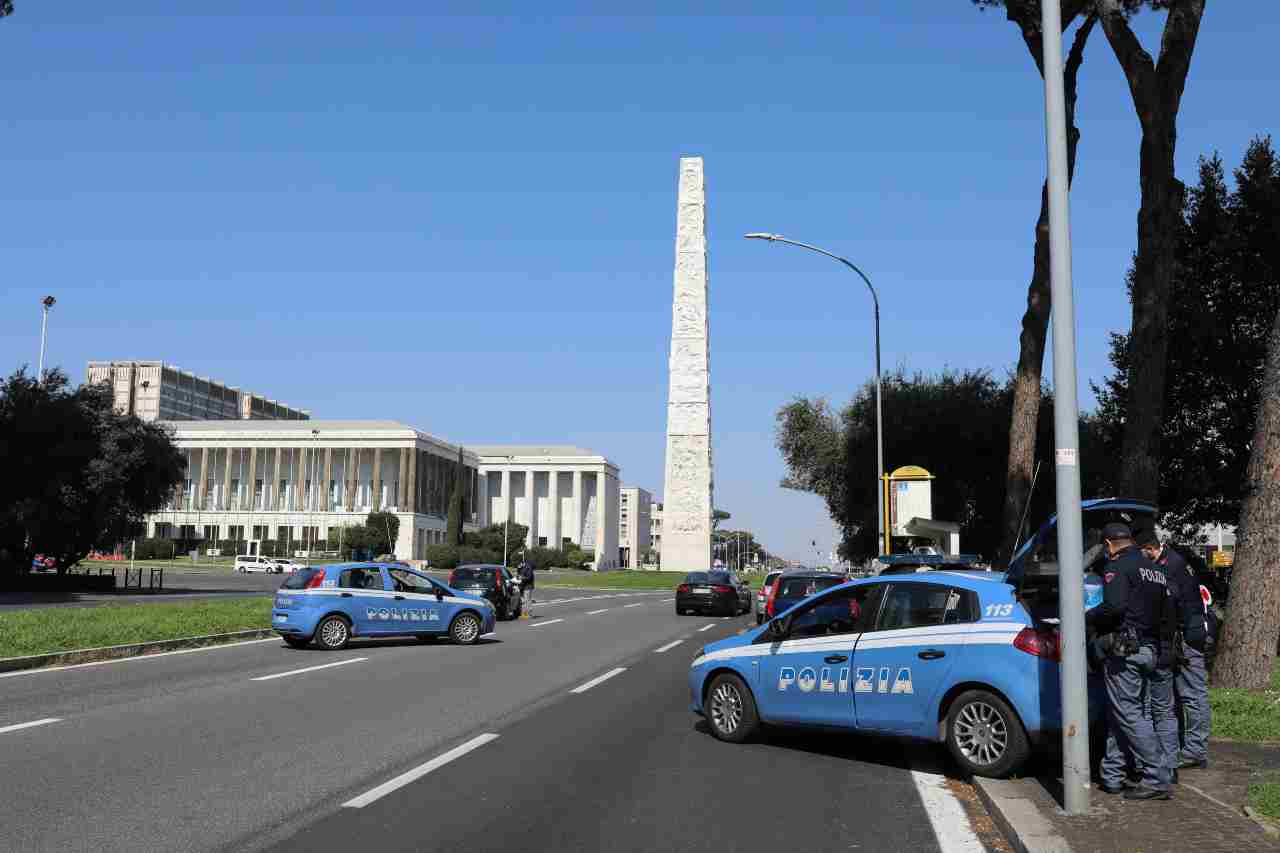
{"x": 702, "y": 589}
{"x": 282, "y": 617}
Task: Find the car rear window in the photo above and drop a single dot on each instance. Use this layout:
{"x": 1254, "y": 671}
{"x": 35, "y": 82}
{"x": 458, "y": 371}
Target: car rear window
{"x": 719, "y": 577}
{"x": 462, "y": 575}
{"x": 298, "y": 580}
{"x": 696, "y": 577}
{"x": 805, "y": 587}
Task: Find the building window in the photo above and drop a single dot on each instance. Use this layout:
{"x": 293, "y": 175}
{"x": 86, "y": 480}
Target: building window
{"x": 542, "y": 541}
{"x": 284, "y": 533}
{"x": 260, "y": 531}
{"x": 211, "y": 532}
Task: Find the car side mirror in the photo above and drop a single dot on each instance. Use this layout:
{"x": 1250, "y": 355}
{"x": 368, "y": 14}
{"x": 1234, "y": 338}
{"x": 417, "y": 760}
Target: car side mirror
{"x": 777, "y": 629}
{"x": 439, "y": 594}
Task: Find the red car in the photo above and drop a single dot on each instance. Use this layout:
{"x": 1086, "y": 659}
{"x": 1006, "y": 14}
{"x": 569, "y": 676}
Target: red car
{"x": 763, "y": 595}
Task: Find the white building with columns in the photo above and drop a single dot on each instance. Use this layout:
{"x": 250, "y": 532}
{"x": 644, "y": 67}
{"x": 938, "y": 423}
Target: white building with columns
{"x": 294, "y": 482}
{"x": 635, "y": 525}
{"x": 562, "y": 494}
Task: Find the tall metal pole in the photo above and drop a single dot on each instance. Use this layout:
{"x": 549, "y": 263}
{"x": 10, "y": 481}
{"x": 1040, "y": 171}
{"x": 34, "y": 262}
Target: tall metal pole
{"x": 1075, "y": 709}
{"x": 875, "y": 298}
{"x": 47, "y": 303}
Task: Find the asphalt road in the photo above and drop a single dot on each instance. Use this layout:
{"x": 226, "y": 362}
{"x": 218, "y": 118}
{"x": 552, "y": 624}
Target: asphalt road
{"x": 189, "y": 752}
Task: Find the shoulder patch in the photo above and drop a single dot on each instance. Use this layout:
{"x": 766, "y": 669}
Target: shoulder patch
{"x": 1108, "y": 576}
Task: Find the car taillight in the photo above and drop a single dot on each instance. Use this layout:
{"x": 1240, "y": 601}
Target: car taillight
{"x": 1041, "y": 643}
{"x": 453, "y": 578}
{"x": 315, "y": 580}
{"x": 722, "y": 588}
{"x": 773, "y": 593}
{"x": 684, "y": 587}
{"x": 497, "y": 580}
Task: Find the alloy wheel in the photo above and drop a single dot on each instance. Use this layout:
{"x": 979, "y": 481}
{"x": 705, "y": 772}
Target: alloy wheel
{"x": 333, "y": 633}
{"x": 726, "y": 708}
{"x": 981, "y": 733}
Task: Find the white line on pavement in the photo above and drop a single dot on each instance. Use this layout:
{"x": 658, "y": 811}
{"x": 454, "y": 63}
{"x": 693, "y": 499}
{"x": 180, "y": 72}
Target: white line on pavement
{"x": 637, "y": 604}
{"x": 668, "y": 646}
{"x": 706, "y": 627}
{"x": 548, "y": 622}
{"x": 307, "y": 669}
{"x": 213, "y": 648}
{"x": 946, "y": 815}
{"x": 594, "y": 612}
{"x": 31, "y": 724}
{"x": 418, "y": 772}
{"x": 583, "y": 688}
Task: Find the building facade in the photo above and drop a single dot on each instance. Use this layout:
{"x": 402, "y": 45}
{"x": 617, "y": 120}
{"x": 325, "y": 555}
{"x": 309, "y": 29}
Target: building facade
{"x": 301, "y": 482}
{"x": 564, "y": 495}
{"x": 655, "y": 527}
{"x": 155, "y": 391}
{"x": 634, "y": 535}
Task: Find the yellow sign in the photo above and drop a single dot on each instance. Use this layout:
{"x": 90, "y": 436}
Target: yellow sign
{"x": 1223, "y": 558}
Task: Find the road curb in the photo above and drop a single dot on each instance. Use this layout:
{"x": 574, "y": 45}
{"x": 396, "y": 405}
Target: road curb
{"x": 128, "y": 650}
{"x": 1019, "y": 817}
{"x": 1263, "y": 823}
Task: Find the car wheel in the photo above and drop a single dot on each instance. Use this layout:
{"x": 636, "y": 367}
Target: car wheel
{"x": 332, "y": 633}
{"x": 465, "y": 630}
{"x": 985, "y": 736}
{"x": 297, "y": 642}
{"x": 731, "y": 709}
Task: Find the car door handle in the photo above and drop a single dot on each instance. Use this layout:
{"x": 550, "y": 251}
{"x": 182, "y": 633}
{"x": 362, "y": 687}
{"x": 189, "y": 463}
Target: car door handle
{"x": 931, "y": 654}
{"x": 835, "y": 658}
{"x": 346, "y": 595}
{"x": 399, "y": 598}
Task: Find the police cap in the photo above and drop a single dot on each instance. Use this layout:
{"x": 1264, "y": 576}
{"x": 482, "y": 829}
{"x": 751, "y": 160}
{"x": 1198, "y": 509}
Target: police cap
{"x": 1115, "y": 532}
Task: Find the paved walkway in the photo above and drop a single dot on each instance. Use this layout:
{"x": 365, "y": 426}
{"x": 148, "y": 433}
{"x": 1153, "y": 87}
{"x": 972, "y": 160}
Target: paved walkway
{"x": 1205, "y": 814}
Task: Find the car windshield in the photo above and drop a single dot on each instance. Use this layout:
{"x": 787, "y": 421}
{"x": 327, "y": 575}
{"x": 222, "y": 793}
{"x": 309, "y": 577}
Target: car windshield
{"x": 464, "y": 575}
{"x": 298, "y": 580}
{"x": 696, "y": 577}
{"x": 805, "y": 587}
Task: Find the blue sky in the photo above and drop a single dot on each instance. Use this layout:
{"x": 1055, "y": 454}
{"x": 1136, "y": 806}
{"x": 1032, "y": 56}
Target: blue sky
{"x": 467, "y": 222}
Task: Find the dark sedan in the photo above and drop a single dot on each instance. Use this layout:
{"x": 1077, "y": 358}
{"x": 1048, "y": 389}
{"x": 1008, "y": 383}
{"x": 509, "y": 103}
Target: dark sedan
{"x": 496, "y": 583}
{"x": 793, "y": 587}
{"x": 713, "y": 592}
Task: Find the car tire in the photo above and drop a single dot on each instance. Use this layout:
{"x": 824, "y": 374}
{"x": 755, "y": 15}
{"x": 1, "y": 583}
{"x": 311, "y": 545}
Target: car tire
{"x": 730, "y": 709}
{"x": 333, "y": 633}
{"x": 297, "y": 642}
{"x": 985, "y": 736}
{"x": 465, "y": 629}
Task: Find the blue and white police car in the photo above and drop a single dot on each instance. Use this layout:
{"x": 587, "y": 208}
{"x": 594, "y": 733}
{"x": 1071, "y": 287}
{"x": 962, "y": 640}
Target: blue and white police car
{"x": 329, "y": 605}
{"x": 947, "y": 656}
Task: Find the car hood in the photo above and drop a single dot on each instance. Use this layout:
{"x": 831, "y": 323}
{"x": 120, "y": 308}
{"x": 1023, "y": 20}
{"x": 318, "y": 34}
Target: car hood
{"x": 744, "y": 639}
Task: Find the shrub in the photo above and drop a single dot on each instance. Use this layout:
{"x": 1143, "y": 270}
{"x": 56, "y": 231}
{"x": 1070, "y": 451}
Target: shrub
{"x": 446, "y": 558}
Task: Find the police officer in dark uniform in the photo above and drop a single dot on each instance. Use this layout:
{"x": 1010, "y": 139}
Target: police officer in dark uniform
{"x": 1128, "y": 624}
{"x": 527, "y": 583}
{"x": 1190, "y": 681}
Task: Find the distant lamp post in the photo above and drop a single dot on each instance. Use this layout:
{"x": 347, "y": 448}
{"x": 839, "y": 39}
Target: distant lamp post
{"x": 48, "y": 302}
{"x": 875, "y": 298}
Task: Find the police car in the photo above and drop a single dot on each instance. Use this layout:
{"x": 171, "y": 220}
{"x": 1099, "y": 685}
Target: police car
{"x": 946, "y": 656}
{"x": 329, "y": 605}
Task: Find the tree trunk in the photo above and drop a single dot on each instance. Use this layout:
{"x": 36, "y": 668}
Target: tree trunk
{"x": 1035, "y": 321}
{"x": 1248, "y": 645}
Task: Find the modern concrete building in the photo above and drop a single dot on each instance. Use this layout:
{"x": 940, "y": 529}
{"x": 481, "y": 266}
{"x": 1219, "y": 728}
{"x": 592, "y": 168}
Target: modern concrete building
{"x": 155, "y": 391}
{"x": 655, "y": 526}
{"x": 634, "y": 530}
{"x": 563, "y": 494}
{"x": 297, "y": 481}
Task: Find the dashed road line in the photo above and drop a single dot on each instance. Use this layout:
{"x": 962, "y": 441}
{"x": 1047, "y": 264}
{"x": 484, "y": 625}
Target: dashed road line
{"x": 418, "y": 772}
{"x": 307, "y": 669}
{"x": 706, "y": 627}
{"x": 637, "y": 604}
{"x": 19, "y": 726}
{"x": 599, "y": 679}
{"x": 669, "y": 646}
{"x": 602, "y": 610}
{"x": 548, "y": 622}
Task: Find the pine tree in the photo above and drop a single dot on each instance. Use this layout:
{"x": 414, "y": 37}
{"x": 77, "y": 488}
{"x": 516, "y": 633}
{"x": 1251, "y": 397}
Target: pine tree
{"x": 453, "y": 526}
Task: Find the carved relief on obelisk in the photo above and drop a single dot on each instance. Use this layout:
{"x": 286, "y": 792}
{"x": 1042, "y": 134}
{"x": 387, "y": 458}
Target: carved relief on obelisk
{"x": 687, "y": 506}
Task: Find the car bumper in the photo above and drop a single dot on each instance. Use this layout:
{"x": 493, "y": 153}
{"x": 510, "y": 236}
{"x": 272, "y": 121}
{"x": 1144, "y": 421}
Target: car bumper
{"x": 714, "y": 601}
{"x": 293, "y": 623}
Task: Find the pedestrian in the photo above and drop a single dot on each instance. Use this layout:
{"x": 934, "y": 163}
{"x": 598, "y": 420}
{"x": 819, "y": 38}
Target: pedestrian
{"x": 526, "y": 585}
{"x": 1127, "y": 623}
{"x": 1190, "y": 681}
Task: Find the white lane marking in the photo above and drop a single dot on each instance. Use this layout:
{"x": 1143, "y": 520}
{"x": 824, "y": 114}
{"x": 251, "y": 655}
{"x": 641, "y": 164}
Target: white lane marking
{"x": 667, "y": 600}
{"x": 31, "y": 724}
{"x": 946, "y": 815}
{"x": 418, "y": 772}
{"x": 637, "y": 604}
{"x": 668, "y": 647}
{"x": 706, "y": 627}
{"x": 594, "y": 612}
{"x": 548, "y": 622}
{"x": 307, "y": 669}
{"x": 213, "y": 648}
{"x": 583, "y": 688}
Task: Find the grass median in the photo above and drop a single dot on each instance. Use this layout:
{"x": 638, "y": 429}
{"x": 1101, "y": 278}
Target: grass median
{"x": 1248, "y": 715}
{"x": 60, "y": 629}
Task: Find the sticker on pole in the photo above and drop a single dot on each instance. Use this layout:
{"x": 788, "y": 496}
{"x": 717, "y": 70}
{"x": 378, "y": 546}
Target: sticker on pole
{"x": 1066, "y": 456}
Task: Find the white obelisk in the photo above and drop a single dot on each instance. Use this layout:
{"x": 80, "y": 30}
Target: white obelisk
{"x": 687, "y": 506}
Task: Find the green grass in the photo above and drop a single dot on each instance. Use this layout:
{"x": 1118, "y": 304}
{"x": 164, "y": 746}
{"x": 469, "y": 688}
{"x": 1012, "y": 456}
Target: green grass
{"x": 58, "y": 629}
{"x": 1247, "y": 715}
{"x": 1265, "y": 797}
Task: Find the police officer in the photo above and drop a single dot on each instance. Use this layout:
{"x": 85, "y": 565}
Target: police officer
{"x": 1191, "y": 686}
{"x": 1128, "y": 621}
{"x": 526, "y": 585}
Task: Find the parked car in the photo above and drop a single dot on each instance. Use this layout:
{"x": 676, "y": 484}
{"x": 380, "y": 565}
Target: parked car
{"x": 247, "y": 563}
{"x": 495, "y": 583}
{"x": 328, "y": 605}
{"x": 762, "y": 596}
{"x": 793, "y": 587}
{"x": 713, "y": 592}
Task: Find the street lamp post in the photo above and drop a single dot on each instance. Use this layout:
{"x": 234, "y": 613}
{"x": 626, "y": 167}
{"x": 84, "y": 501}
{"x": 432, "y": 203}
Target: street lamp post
{"x": 875, "y": 299}
{"x": 48, "y": 302}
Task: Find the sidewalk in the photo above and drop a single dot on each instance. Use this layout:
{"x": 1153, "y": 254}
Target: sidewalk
{"x": 1205, "y": 815}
